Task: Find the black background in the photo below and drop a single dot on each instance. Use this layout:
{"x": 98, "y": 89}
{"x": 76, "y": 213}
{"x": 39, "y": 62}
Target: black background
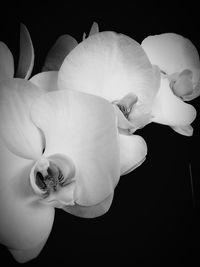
{"x": 152, "y": 220}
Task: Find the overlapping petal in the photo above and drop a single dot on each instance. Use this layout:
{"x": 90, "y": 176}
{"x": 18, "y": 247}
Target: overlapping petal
{"x": 170, "y": 110}
{"x": 6, "y": 62}
{"x": 83, "y": 127}
{"x": 174, "y": 54}
{"x": 133, "y": 151}
{"x": 109, "y": 65}
{"x": 58, "y": 52}
{"x": 21, "y": 136}
{"x": 47, "y": 80}
{"x": 26, "y": 59}
{"x": 25, "y": 223}
{"x": 90, "y": 211}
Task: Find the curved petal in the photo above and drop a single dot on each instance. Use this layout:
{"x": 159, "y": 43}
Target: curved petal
{"x": 109, "y": 65}
{"x": 83, "y": 127}
{"x": 94, "y": 29}
{"x": 25, "y": 222}
{"x": 133, "y": 150}
{"x": 20, "y": 135}
{"x": 172, "y": 53}
{"x": 26, "y": 58}
{"x": 53, "y": 179}
{"x": 90, "y": 211}
{"x": 169, "y": 109}
{"x": 184, "y": 130}
{"x": 6, "y": 62}
{"x": 58, "y": 52}
{"x": 24, "y": 255}
{"x": 46, "y": 80}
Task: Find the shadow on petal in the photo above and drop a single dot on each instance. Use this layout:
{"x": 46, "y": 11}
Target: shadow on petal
{"x": 133, "y": 151}
{"x": 6, "y": 62}
{"x": 47, "y": 80}
{"x": 26, "y": 59}
{"x": 90, "y": 211}
{"x": 58, "y": 52}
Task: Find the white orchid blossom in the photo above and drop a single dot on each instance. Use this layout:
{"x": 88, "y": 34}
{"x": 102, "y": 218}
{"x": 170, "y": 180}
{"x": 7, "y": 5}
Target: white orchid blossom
{"x": 120, "y": 71}
{"x": 58, "y": 149}
{"x": 179, "y": 64}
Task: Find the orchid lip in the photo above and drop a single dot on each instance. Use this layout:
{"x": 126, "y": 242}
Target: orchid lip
{"x": 48, "y": 178}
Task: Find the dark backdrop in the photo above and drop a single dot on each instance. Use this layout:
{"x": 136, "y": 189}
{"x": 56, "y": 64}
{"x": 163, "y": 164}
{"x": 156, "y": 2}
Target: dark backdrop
{"x": 152, "y": 219}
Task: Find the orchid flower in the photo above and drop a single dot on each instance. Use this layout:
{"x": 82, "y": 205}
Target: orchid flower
{"x": 179, "y": 64}
{"x": 121, "y": 72}
{"x": 58, "y": 149}
{"x": 133, "y": 149}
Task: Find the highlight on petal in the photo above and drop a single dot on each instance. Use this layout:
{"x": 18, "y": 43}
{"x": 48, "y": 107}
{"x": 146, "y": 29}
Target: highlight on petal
{"x": 90, "y": 211}
{"x": 55, "y": 57}
{"x": 94, "y": 29}
{"x": 47, "y": 81}
{"x": 53, "y": 179}
{"x": 26, "y": 58}
{"x": 170, "y": 110}
{"x": 20, "y": 135}
{"x": 133, "y": 151}
{"x": 82, "y": 127}
{"x": 25, "y": 222}
{"x": 110, "y": 65}
{"x": 6, "y": 62}
{"x": 174, "y": 53}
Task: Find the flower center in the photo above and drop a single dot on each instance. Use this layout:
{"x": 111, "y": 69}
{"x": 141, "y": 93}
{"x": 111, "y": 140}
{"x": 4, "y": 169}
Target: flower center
{"x": 51, "y": 179}
{"x": 126, "y": 104}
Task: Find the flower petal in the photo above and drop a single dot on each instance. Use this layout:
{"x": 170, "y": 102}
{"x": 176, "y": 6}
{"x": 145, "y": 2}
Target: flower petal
{"x": 83, "y": 127}
{"x": 90, "y": 211}
{"x": 109, "y": 65}
{"x": 133, "y": 150}
{"x": 184, "y": 130}
{"x": 172, "y": 53}
{"x": 18, "y": 132}
{"x": 53, "y": 179}
{"x": 94, "y": 29}
{"x": 170, "y": 110}
{"x": 58, "y": 52}
{"x": 26, "y": 58}
{"x": 25, "y": 222}
{"x": 6, "y": 62}
{"x": 24, "y": 255}
{"x": 46, "y": 80}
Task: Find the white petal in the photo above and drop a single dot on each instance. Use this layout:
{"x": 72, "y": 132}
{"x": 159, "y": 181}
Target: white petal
{"x": 58, "y": 52}
{"x": 83, "y": 127}
{"x": 26, "y": 58}
{"x": 172, "y": 53}
{"x": 184, "y": 130}
{"x": 25, "y": 222}
{"x": 46, "y": 80}
{"x": 109, "y": 65}
{"x": 169, "y": 109}
{"x": 91, "y": 211}
{"x": 17, "y": 130}
{"x": 94, "y": 29}
{"x": 6, "y": 62}
{"x": 133, "y": 150}
{"x": 25, "y": 255}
